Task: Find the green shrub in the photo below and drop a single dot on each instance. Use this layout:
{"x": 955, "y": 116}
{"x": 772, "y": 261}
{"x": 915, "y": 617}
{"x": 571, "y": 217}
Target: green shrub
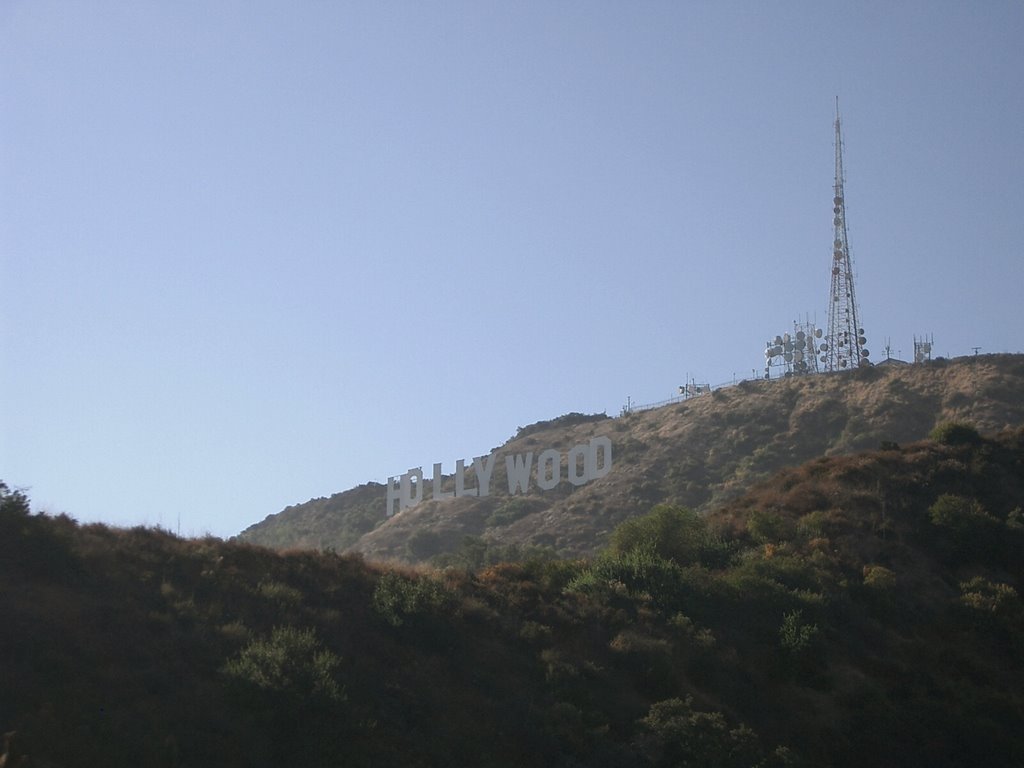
{"x": 1015, "y": 519}
{"x": 291, "y": 662}
{"x": 813, "y": 525}
{"x": 278, "y": 592}
{"x": 955, "y": 433}
{"x": 643, "y": 576}
{"x": 995, "y": 609}
{"x": 398, "y": 598}
{"x": 672, "y": 533}
{"x": 675, "y": 734}
{"x": 38, "y": 544}
{"x": 640, "y": 571}
{"x": 534, "y": 632}
{"x": 767, "y": 526}
{"x": 635, "y": 641}
{"x": 959, "y": 513}
{"x": 879, "y": 578}
{"x": 701, "y": 637}
{"x": 13, "y": 503}
{"x": 794, "y": 635}
{"x": 995, "y": 598}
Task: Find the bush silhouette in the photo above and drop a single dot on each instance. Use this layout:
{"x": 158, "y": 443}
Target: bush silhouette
{"x": 959, "y": 513}
{"x": 13, "y": 503}
{"x": 398, "y": 598}
{"x": 291, "y": 662}
{"x": 672, "y": 533}
{"x": 955, "y": 433}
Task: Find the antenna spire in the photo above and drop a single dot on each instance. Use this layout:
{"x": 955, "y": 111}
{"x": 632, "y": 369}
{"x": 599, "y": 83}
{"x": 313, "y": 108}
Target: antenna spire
{"x": 844, "y": 344}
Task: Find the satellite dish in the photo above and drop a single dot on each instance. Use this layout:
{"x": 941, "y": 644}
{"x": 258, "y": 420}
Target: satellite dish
{"x": 839, "y": 243}
{"x": 823, "y": 359}
{"x": 837, "y": 221}
{"x": 800, "y": 335}
{"x": 817, "y": 333}
{"x": 823, "y": 347}
{"x": 837, "y": 200}
{"x": 864, "y": 353}
{"x": 862, "y": 340}
{"x": 798, "y": 355}
{"x": 789, "y": 357}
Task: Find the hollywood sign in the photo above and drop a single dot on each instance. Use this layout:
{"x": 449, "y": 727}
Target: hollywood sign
{"x": 583, "y": 464}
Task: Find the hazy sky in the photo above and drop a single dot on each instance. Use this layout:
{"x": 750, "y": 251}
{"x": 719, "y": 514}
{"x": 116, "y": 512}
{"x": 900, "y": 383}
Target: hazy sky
{"x": 257, "y": 252}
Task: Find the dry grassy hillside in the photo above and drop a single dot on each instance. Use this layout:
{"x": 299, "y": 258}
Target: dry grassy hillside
{"x": 853, "y": 611}
{"x": 699, "y": 453}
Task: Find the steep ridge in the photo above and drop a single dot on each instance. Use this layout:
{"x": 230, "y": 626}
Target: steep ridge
{"x": 698, "y": 453}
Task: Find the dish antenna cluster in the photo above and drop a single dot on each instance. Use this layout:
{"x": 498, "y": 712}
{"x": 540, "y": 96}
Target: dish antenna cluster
{"x": 923, "y": 349}
{"x": 795, "y": 353}
{"x": 844, "y": 345}
{"x": 693, "y": 389}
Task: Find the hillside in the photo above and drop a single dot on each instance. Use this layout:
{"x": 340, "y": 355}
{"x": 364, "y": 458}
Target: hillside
{"x": 855, "y": 610}
{"x": 698, "y": 453}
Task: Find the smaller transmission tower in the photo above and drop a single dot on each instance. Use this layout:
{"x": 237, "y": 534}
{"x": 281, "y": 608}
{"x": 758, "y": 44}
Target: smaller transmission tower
{"x": 844, "y": 344}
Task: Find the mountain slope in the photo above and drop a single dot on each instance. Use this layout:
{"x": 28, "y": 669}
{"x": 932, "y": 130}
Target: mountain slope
{"x": 856, "y": 610}
{"x": 697, "y": 453}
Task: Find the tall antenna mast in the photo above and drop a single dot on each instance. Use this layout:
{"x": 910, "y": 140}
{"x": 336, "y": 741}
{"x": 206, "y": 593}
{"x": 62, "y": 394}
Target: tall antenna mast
{"x": 844, "y": 344}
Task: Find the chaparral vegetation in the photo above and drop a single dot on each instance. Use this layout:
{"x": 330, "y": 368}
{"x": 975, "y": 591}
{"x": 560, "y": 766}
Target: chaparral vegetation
{"x": 853, "y": 610}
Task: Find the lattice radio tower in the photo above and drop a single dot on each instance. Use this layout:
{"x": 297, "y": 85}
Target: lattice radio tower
{"x": 844, "y": 344}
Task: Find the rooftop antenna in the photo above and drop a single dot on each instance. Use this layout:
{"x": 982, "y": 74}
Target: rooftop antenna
{"x": 844, "y": 344}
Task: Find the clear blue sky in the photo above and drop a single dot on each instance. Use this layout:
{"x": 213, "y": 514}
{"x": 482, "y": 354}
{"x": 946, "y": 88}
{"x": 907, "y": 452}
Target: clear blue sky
{"x": 257, "y": 252}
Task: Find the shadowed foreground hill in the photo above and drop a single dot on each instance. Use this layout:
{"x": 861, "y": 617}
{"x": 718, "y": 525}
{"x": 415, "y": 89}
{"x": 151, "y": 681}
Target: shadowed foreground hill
{"x": 698, "y": 453}
{"x": 856, "y": 610}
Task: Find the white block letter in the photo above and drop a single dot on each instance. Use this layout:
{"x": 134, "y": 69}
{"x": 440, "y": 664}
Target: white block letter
{"x": 412, "y": 493}
{"x": 436, "y": 485}
{"x": 460, "y": 480}
{"x": 483, "y": 469}
{"x": 518, "y": 469}
{"x": 551, "y": 475}
{"x": 593, "y": 470}
{"x": 579, "y": 463}
{"x": 394, "y": 495}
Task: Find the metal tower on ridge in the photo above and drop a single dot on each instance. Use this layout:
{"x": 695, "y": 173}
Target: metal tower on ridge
{"x": 844, "y": 344}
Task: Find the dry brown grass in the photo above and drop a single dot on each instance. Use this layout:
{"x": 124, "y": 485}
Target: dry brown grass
{"x": 700, "y": 454}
